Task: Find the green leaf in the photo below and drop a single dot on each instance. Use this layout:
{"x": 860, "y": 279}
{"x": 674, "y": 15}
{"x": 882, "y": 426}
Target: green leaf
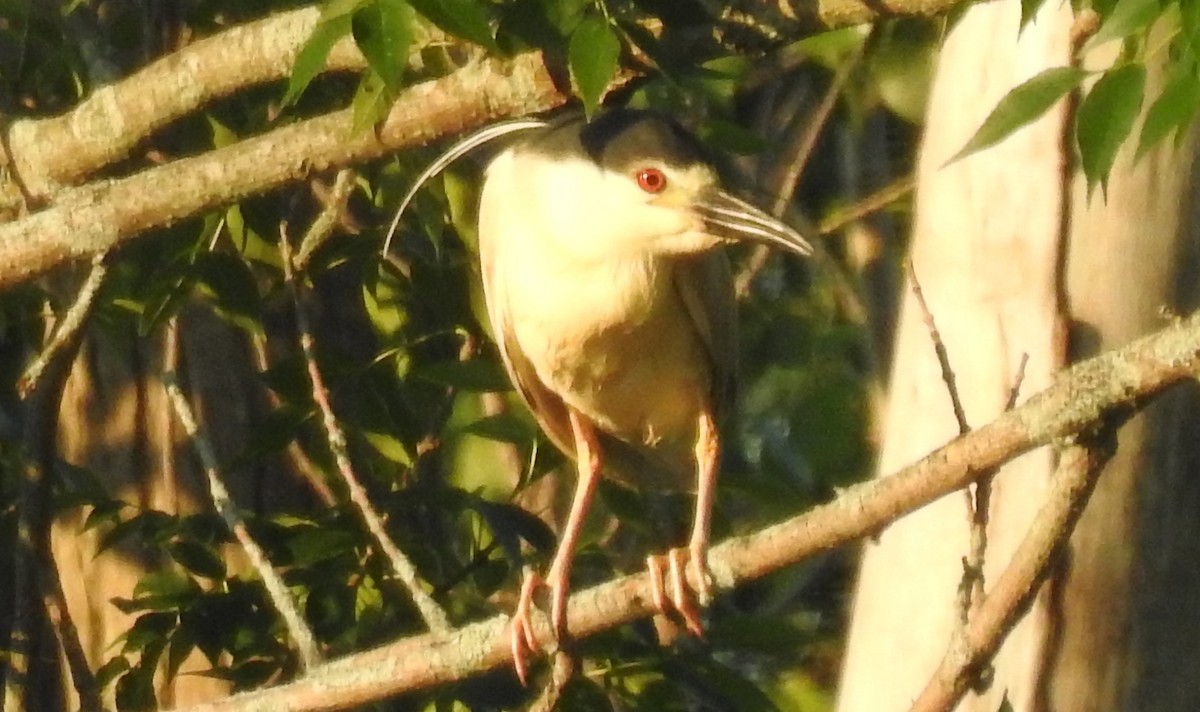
{"x": 467, "y": 19}
{"x": 231, "y": 283}
{"x": 476, "y": 375}
{"x": 222, "y": 135}
{"x": 148, "y": 629}
{"x": 502, "y": 427}
{"x": 386, "y": 294}
{"x": 592, "y": 56}
{"x": 310, "y": 60}
{"x": 198, "y": 558}
{"x": 390, "y": 446}
{"x": 1128, "y": 17}
{"x": 1105, "y": 118}
{"x": 1022, "y": 106}
{"x": 382, "y": 29}
{"x": 371, "y": 102}
{"x": 1174, "y": 107}
{"x": 110, "y": 670}
{"x": 317, "y": 544}
{"x": 1189, "y": 20}
{"x": 1029, "y": 8}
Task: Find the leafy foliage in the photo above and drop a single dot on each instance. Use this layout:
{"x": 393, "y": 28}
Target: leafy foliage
{"x": 448, "y": 454}
{"x": 1109, "y": 108}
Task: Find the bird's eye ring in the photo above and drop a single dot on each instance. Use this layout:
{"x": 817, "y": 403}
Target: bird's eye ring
{"x": 651, "y": 180}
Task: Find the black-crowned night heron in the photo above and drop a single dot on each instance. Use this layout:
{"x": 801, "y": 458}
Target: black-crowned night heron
{"x": 613, "y": 309}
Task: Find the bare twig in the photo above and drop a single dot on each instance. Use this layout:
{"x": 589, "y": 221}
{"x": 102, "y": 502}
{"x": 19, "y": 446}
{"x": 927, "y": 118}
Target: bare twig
{"x": 878, "y": 200}
{"x": 939, "y": 348}
{"x": 566, "y": 664}
{"x": 329, "y": 217}
{"x": 402, "y": 567}
{"x": 67, "y": 330}
{"x": 972, "y": 577}
{"x": 306, "y": 644}
{"x": 802, "y": 147}
{"x": 971, "y": 648}
{"x": 299, "y": 459}
{"x": 794, "y": 161}
{"x": 1081, "y": 396}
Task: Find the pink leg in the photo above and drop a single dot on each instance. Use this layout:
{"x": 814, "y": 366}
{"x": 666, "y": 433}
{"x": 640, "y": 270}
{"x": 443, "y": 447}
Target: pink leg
{"x": 522, "y": 638}
{"x": 708, "y": 452}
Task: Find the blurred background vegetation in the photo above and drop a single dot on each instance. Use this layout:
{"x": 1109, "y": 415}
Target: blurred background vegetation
{"x": 817, "y": 129}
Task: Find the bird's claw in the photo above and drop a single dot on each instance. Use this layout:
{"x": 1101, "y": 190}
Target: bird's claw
{"x": 522, "y": 639}
{"x": 679, "y": 594}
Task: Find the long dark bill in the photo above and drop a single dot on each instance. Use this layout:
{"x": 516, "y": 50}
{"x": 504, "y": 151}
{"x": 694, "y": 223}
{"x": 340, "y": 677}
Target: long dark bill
{"x": 732, "y": 218}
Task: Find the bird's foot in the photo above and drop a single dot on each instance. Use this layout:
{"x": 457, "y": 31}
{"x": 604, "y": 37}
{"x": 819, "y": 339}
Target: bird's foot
{"x": 671, "y": 590}
{"x": 522, "y": 638}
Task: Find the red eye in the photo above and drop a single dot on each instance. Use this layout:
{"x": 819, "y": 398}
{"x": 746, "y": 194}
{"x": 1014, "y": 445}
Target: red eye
{"x": 651, "y": 180}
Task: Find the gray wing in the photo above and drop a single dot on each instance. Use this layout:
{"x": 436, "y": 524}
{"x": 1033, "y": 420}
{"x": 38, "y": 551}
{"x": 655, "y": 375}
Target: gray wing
{"x": 705, "y": 285}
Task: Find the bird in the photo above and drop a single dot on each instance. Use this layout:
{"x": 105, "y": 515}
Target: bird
{"x": 611, "y": 302}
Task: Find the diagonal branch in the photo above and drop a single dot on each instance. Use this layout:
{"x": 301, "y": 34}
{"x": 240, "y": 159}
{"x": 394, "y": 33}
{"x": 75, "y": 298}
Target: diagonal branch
{"x": 1080, "y": 398}
{"x": 106, "y": 214}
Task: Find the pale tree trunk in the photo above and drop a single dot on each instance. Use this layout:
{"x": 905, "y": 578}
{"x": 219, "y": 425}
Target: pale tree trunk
{"x": 994, "y": 234}
{"x": 115, "y": 420}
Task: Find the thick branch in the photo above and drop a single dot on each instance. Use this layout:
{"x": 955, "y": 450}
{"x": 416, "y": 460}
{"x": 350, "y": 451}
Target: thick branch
{"x": 839, "y": 13}
{"x": 1079, "y": 399}
{"x": 50, "y": 153}
{"x": 104, "y": 215}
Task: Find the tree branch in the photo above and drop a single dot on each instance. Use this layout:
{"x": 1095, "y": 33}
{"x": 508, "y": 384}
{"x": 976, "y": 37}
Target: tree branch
{"x": 51, "y": 153}
{"x": 1080, "y": 398}
{"x": 974, "y": 645}
{"x": 104, "y": 215}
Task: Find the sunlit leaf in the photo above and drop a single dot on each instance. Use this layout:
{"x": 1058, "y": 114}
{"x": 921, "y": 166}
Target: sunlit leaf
{"x": 476, "y": 375}
{"x": 1021, "y": 107}
{"x": 390, "y": 447}
{"x": 1189, "y": 20}
{"x": 370, "y": 103}
{"x": 1128, "y": 17}
{"x": 467, "y": 19}
{"x": 382, "y": 29}
{"x": 222, "y": 134}
{"x": 501, "y": 427}
{"x": 1175, "y": 107}
{"x": 385, "y": 296}
{"x": 310, "y": 60}
{"x": 313, "y": 545}
{"x": 1029, "y": 8}
{"x": 1105, "y": 118}
{"x": 592, "y": 57}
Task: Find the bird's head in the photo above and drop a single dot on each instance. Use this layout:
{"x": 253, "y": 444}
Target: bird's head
{"x": 626, "y": 183}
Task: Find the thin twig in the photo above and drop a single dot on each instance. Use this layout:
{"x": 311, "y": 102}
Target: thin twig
{"x": 939, "y": 348}
{"x": 66, "y": 331}
{"x": 794, "y": 162}
{"x": 310, "y": 655}
{"x": 972, "y": 576}
{"x": 329, "y": 217}
{"x": 566, "y": 664}
{"x": 802, "y": 148}
{"x": 55, "y": 602}
{"x": 878, "y": 200}
{"x": 301, "y": 462}
{"x": 435, "y": 618}
{"x": 1080, "y": 464}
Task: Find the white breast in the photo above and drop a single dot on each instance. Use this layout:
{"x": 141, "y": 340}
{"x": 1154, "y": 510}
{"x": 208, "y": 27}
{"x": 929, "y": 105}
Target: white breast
{"x": 610, "y": 334}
